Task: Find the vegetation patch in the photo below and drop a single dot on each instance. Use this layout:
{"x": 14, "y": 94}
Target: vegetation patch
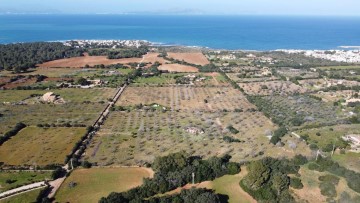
{"x": 40, "y": 146}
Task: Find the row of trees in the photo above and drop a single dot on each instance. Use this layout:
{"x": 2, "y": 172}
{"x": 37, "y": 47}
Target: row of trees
{"x": 120, "y": 53}
{"x": 19, "y": 57}
{"x": 175, "y": 170}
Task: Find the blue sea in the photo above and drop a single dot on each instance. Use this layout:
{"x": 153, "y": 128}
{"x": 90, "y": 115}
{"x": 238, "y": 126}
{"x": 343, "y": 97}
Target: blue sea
{"x": 219, "y": 32}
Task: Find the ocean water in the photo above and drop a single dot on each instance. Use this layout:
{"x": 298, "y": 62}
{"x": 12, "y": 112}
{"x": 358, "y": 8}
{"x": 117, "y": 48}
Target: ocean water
{"x": 220, "y": 32}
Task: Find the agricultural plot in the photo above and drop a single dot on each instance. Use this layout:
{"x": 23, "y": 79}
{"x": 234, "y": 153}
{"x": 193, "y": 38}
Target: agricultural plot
{"x": 69, "y": 72}
{"x": 166, "y": 79}
{"x": 339, "y": 67}
{"x": 89, "y": 185}
{"x": 194, "y": 58}
{"x": 334, "y": 96}
{"x": 271, "y": 87}
{"x": 187, "y": 98}
{"x": 40, "y": 146}
{"x": 235, "y": 77}
{"x": 291, "y": 73}
{"x": 81, "y": 107}
{"x": 178, "y": 68}
{"x": 10, "y": 180}
{"x": 318, "y": 84}
{"x": 137, "y": 137}
{"x": 298, "y": 110}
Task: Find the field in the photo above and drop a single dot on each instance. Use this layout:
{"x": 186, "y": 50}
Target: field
{"x": 187, "y": 98}
{"x": 23, "y": 198}
{"x": 21, "y": 178}
{"x": 178, "y": 68}
{"x": 317, "y": 84}
{"x": 271, "y": 87}
{"x": 194, "y": 58}
{"x": 94, "y": 183}
{"x": 167, "y": 79}
{"x": 234, "y": 77}
{"x": 226, "y": 185}
{"x": 311, "y": 191}
{"x": 339, "y": 67}
{"x": 334, "y": 96}
{"x": 79, "y": 62}
{"x": 329, "y": 134}
{"x": 82, "y": 107}
{"x": 40, "y": 146}
{"x": 229, "y": 185}
{"x": 299, "y": 110}
{"x": 61, "y": 73}
{"x": 142, "y": 132}
{"x": 349, "y": 160}
{"x": 303, "y": 73}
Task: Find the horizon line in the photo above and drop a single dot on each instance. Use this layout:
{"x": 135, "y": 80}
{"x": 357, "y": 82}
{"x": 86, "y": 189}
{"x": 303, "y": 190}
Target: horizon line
{"x": 183, "y": 14}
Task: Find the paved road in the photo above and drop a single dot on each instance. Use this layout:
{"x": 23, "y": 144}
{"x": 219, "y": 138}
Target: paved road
{"x": 23, "y": 188}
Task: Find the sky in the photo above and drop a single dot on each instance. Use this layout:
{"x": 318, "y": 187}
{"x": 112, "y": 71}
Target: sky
{"x": 211, "y": 7}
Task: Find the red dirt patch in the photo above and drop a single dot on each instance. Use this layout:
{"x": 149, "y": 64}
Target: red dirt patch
{"x": 195, "y": 58}
{"x": 178, "y": 68}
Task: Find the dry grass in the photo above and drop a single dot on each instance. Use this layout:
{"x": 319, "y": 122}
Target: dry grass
{"x": 268, "y": 88}
{"x": 187, "y": 98}
{"x": 94, "y": 183}
{"x": 194, "y": 58}
{"x": 41, "y": 146}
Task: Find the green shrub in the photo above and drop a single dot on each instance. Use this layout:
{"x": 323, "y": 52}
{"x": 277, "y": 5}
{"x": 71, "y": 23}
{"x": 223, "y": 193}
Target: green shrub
{"x": 296, "y": 183}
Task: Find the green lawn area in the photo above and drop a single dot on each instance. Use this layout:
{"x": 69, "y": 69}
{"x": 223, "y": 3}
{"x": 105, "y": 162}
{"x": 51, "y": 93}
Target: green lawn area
{"x": 229, "y": 185}
{"x": 42, "y": 146}
{"x": 24, "y": 197}
{"x": 94, "y": 183}
{"x": 21, "y": 178}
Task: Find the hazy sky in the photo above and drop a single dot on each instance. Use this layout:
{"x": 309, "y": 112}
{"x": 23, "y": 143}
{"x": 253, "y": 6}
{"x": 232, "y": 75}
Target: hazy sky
{"x": 256, "y": 7}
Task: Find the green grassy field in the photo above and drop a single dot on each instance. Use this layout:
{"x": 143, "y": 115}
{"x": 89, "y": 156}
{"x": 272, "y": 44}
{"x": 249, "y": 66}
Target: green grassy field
{"x": 23, "y": 197}
{"x": 21, "y": 178}
{"x": 229, "y": 185}
{"x": 349, "y": 160}
{"x": 39, "y": 145}
{"x": 94, "y": 183}
{"x": 329, "y": 134}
